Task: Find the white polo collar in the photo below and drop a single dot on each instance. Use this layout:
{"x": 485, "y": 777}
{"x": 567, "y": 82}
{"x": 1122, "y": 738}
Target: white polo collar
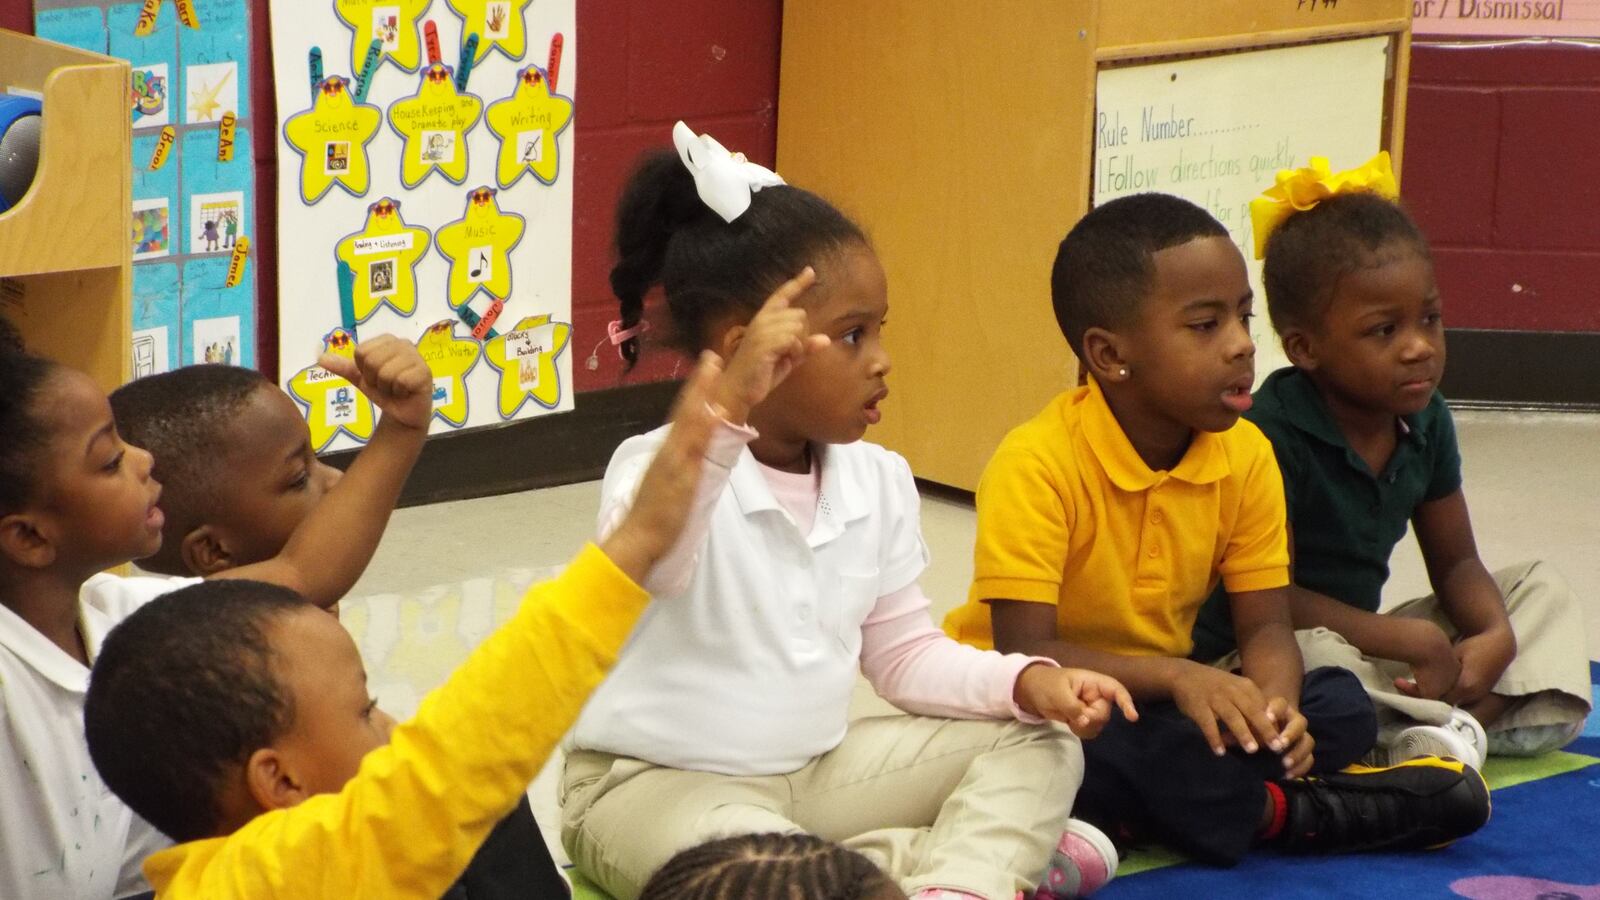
{"x": 32, "y": 647}
{"x": 837, "y": 505}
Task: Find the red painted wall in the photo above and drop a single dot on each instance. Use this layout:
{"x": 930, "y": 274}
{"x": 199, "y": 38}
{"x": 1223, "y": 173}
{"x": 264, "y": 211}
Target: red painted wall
{"x": 641, "y": 67}
{"x": 1501, "y": 155}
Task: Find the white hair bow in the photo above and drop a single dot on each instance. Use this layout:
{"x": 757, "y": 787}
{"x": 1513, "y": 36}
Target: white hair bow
{"x": 724, "y": 180}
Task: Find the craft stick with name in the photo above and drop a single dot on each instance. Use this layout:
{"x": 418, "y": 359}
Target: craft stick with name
{"x": 147, "y": 18}
{"x": 225, "y": 131}
{"x": 468, "y": 51}
{"x": 369, "y": 67}
{"x": 316, "y": 71}
{"x": 553, "y": 70}
{"x": 187, "y": 15}
{"x": 163, "y": 147}
{"x": 484, "y": 329}
{"x": 241, "y": 250}
{"x": 430, "y": 36}
{"x": 347, "y": 297}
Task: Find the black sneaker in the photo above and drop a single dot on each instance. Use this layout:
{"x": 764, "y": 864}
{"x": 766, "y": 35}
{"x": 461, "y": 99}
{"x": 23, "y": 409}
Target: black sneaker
{"x": 1422, "y": 803}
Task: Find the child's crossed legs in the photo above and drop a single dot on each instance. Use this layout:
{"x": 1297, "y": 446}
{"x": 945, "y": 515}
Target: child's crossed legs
{"x": 1546, "y": 686}
{"x": 966, "y": 805}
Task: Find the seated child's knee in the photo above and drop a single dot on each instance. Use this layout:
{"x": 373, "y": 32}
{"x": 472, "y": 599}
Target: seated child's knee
{"x": 1334, "y": 698}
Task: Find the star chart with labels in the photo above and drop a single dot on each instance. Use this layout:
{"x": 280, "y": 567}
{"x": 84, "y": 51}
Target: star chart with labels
{"x": 425, "y": 190}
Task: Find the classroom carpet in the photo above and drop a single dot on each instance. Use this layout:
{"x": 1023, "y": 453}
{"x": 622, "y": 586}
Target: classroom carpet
{"x": 1542, "y": 843}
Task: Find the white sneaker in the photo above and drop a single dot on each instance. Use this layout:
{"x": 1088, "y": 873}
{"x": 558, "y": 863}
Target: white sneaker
{"x": 1534, "y": 740}
{"x": 1462, "y": 738}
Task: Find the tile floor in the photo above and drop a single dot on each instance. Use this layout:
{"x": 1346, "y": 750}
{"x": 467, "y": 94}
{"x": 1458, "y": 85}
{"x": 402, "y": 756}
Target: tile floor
{"x": 447, "y": 574}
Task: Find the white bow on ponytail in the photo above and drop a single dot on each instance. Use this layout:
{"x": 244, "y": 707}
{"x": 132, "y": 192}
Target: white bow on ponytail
{"x": 724, "y": 180}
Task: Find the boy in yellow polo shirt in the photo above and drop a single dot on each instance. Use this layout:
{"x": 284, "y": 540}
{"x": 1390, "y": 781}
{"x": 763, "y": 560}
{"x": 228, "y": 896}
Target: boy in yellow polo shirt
{"x": 1104, "y": 523}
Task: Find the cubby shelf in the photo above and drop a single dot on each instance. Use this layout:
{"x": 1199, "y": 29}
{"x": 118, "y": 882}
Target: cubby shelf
{"x": 65, "y": 248}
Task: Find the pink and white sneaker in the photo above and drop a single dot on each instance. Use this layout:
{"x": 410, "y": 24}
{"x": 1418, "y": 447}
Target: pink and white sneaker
{"x": 1082, "y": 863}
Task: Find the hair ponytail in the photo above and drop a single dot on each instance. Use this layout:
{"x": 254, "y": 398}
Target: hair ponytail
{"x": 708, "y": 267}
{"x": 658, "y": 199}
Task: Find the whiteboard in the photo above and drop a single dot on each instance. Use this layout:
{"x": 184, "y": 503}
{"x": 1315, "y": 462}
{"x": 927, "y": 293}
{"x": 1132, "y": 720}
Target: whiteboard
{"x": 1215, "y": 130}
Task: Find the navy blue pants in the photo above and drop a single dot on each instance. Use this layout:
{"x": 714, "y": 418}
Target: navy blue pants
{"x": 512, "y": 864}
{"x": 1157, "y": 778}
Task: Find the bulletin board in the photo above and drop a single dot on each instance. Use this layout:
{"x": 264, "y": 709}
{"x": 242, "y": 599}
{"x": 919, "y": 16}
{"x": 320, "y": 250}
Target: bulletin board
{"x": 193, "y": 175}
{"x": 1216, "y": 129}
{"x": 425, "y": 156}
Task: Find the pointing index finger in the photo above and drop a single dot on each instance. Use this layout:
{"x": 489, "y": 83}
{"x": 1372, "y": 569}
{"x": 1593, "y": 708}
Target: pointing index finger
{"x": 791, "y": 290}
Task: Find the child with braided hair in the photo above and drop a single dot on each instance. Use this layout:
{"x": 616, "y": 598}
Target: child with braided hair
{"x": 772, "y": 865}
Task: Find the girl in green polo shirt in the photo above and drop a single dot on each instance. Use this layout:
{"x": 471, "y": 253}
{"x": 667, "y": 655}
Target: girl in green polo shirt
{"x": 1488, "y": 663}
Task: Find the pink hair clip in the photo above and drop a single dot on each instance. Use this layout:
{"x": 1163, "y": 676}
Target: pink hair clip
{"x": 617, "y": 335}
{"x": 620, "y": 335}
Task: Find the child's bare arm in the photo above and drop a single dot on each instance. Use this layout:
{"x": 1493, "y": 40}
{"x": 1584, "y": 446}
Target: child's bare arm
{"x": 1417, "y": 642}
{"x": 666, "y": 495}
{"x": 1270, "y": 657}
{"x": 1468, "y": 594}
{"x": 328, "y": 552}
{"x": 1268, "y": 653}
{"x": 1030, "y": 628}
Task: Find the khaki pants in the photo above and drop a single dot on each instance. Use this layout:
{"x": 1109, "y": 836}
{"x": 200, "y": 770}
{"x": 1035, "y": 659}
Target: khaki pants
{"x": 970, "y": 805}
{"x": 1548, "y": 680}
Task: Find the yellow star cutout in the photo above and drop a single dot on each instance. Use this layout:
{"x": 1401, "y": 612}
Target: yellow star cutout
{"x": 449, "y": 357}
{"x": 434, "y": 124}
{"x": 392, "y": 21}
{"x": 203, "y": 100}
{"x": 525, "y": 357}
{"x": 499, "y": 24}
{"x": 430, "y": 644}
{"x": 332, "y": 403}
{"x": 478, "y": 246}
{"x": 527, "y": 123}
{"x": 384, "y": 256}
{"x": 331, "y": 138}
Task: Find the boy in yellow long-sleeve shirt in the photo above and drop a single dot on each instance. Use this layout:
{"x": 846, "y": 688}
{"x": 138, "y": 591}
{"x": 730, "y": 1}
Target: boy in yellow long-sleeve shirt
{"x": 234, "y": 717}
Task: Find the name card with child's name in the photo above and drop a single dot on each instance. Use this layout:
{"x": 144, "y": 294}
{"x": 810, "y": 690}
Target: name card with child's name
{"x": 1215, "y": 130}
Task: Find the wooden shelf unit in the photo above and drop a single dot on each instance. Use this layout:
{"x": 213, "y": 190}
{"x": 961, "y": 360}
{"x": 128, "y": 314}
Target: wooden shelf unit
{"x": 961, "y": 136}
{"x": 66, "y": 265}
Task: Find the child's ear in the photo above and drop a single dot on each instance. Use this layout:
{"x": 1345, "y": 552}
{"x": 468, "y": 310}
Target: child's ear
{"x": 1298, "y": 346}
{"x": 24, "y": 542}
{"x": 204, "y": 553}
{"x": 271, "y": 782}
{"x": 1103, "y": 356}
{"x": 730, "y": 340}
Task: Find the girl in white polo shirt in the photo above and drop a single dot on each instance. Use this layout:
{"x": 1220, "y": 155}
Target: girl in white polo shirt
{"x": 727, "y": 712}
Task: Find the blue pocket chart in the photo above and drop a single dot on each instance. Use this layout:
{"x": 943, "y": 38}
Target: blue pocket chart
{"x": 190, "y": 213}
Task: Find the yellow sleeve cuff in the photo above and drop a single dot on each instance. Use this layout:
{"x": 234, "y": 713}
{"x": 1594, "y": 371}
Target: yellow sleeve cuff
{"x": 1029, "y": 590}
{"x": 1256, "y": 580}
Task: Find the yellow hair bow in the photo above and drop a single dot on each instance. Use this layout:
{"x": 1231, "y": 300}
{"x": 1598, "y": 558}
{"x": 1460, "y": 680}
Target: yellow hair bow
{"x": 1297, "y": 190}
